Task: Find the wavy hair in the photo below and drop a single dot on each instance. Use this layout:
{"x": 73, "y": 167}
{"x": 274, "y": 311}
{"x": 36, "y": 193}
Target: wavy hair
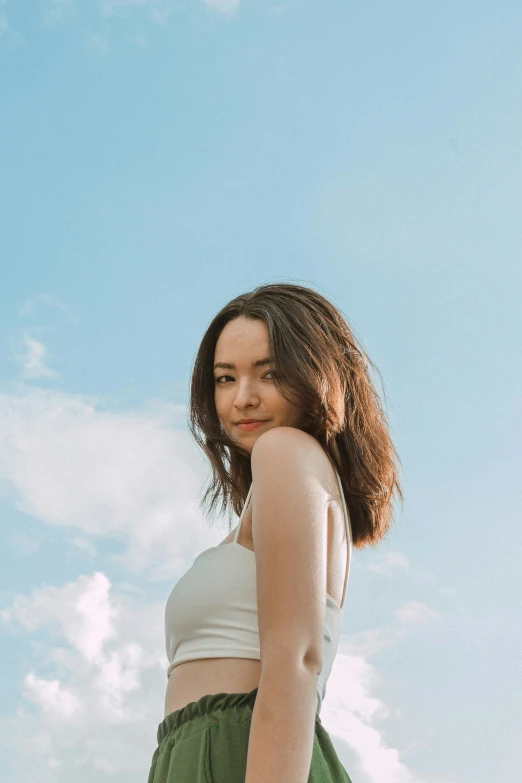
{"x": 321, "y": 366}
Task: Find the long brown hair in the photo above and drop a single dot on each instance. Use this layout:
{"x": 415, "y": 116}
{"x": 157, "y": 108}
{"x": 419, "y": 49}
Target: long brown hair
{"x": 321, "y": 366}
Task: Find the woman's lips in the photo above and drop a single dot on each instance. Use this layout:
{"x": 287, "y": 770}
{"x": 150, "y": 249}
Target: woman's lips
{"x": 251, "y": 425}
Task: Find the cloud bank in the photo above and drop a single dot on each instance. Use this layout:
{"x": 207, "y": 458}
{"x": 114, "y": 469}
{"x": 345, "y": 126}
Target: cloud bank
{"x": 95, "y": 715}
{"x": 92, "y": 696}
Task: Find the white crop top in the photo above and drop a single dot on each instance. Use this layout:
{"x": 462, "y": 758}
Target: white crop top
{"x": 212, "y": 609}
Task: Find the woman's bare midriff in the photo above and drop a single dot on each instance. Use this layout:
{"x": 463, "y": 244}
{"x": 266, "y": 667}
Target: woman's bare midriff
{"x": 191, "y": 680}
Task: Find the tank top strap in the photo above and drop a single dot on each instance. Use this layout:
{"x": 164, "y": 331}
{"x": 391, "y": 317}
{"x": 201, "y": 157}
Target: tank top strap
{"x": 348, "y": 527}
{"x": 245, "y": 504}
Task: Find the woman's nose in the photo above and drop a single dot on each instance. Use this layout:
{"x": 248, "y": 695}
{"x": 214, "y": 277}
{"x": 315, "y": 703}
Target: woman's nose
{"x": 246, "y": 394}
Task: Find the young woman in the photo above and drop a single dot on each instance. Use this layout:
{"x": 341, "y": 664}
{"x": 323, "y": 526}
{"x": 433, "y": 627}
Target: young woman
{"x": 284, "y": 408}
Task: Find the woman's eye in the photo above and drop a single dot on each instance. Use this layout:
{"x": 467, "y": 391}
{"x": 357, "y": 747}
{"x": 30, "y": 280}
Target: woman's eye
{"x": 221, "y": 379}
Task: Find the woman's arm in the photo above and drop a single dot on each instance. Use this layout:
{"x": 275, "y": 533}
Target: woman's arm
{"x": 289, "y": 529}
{"x": 282, "y": 728}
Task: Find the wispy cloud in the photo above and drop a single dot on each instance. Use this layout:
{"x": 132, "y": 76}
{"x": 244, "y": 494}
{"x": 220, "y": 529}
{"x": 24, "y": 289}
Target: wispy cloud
{"x": 31, "y": 305}
{"x": 353, "y": 712}
{"x": 416, "y": 613}
{"x": 84, "y": 544}
{"x": 9, "y": 38}
{"x": 60, "y": 10}
{"x": 4, "y": 24}
{"x": 448, "y": 591}
{"x": 156, "y": 11}
{"x": 409, "y": 614}
{"x": 389, "y": 563}
{"x": 31, "y": 356}
{"x": 225, "y": 6}
{"x": 353, "y": 715}
{"x": 133, "y": 477}
{"x": 97, "y": 43}
{"x": 134, "y": 19}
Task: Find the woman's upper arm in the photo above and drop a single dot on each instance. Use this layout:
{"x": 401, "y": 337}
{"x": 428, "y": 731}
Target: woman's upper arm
{"x": 289, "y": 530}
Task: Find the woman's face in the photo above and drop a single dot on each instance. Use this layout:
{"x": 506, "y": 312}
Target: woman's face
{"x": 243, "y": 383}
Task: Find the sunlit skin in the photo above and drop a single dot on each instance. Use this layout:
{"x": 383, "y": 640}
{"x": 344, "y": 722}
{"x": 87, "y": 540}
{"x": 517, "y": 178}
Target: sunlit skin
{"x": 245, "y": 391}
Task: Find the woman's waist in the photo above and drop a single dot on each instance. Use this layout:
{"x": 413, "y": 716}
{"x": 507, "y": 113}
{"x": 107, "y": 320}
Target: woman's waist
{"x": 190, "y": 680}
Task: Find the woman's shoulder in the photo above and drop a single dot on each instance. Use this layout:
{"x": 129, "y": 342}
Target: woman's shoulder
{"x": 289, "y": 437}
{"x": 288, "y": 446}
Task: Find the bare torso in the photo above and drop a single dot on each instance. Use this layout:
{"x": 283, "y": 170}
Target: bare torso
{"x": 191, "y": 680}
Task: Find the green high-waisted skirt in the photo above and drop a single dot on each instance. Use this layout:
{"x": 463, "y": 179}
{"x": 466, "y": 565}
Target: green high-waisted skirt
{"x": 206, "y": 741}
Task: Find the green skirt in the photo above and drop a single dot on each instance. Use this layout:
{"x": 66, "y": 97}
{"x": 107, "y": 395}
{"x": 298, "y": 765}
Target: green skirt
{"x": 207, "y": 742}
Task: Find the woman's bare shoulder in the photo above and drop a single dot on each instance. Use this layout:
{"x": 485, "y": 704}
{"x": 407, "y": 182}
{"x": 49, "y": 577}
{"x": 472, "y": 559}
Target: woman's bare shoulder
{"x": 292, "y": 451}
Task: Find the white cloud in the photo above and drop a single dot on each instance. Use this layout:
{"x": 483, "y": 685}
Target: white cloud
{"x": 100, "y": 663}
{"x": 52, "y": 697}
{"x": 104, "y": 647}
{"x": 371, "y": 641}
{"x": 374, "y": 640}
{"x": 96, "y": 715}
{"x": 30, "y": 354}
{"x": 352, "y": 715}
{"x": 129, "y": 476}
{"x": 356, "y": 718}
{"x": 81, "y": 609}
{"x": 415, "y": 612}
{"x": 84, "y": 544}
{"x": 389, "y": 563}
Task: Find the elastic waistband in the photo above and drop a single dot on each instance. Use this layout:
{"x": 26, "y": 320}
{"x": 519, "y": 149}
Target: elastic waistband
{"x": 211, "y": 702}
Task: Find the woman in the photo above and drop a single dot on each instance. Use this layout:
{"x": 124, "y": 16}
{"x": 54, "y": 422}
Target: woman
{"x": 283, "y": 406}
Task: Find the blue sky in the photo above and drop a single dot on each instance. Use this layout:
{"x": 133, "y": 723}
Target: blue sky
{"x": 157, "y": 159}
